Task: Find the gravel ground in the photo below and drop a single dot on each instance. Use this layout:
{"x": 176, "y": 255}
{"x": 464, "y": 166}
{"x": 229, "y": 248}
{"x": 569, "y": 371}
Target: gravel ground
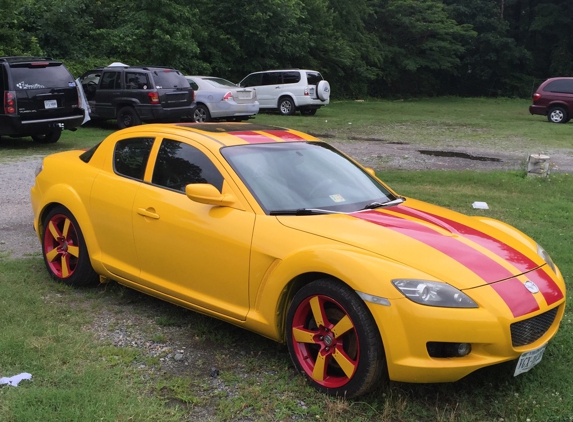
{"x": 132, "y": 320}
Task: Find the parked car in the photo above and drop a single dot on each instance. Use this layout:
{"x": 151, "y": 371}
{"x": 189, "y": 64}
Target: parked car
{"x": 289, "y": 90}
{"x": 554, "y": 99}
{"x": 218, "y": 98}
{"x": 136, "y": 94}
{"x": 276, "y": 231}
{"x": 39, "y": 98}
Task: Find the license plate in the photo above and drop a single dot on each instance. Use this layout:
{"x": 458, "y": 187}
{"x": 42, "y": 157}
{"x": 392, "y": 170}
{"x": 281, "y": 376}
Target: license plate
{"x": 528, "y": 360}
{"x": 244, "y": 95}
{"x": 50, "y": 104}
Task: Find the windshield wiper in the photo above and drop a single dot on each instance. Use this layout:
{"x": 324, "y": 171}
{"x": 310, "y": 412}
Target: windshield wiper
{"x": 302, "y": 211}
{"x": 377, "y": 204}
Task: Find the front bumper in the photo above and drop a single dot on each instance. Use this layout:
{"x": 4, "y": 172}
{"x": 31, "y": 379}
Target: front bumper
{"x": 407, "y": 328}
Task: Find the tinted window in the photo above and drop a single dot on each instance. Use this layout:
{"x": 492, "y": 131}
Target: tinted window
{"x": 180, "y": 164}
{"x": 193, "y": 84}
{"x": 136, "y": 80}
{"x": 313, "y": 78}
{"x": 291, "y": 77}
{"x": 560, "y": 85}
{"x": 252, "y": 80}
{"x": 169, "y": 78}
{"x": 131, "y": 155}
{"x": 110, "y": 80}
{"x": 42, "y": 77}
{"x": 271, "y": 78}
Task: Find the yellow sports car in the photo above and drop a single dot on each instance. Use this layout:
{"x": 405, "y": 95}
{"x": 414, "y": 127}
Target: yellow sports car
{"x": 275, "y": 231}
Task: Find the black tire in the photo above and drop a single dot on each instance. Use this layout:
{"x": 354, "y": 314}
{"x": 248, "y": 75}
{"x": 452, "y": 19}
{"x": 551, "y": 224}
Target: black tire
{"x": 201, "y": 114}
{"x": 48, "y": 137}
{"x": 348, "y": 374}
{"x": 65, "y": 251}
{"x": 558, "y": 115}
{"x": 127, "y": 117}
{"x": 286, "y": 106}
{"x": 308, "y": 111}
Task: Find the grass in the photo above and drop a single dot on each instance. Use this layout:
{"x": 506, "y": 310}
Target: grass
{"x": 238, "y": 376}
{"x": 447, "y": 122}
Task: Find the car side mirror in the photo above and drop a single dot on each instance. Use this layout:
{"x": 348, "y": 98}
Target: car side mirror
{"x": 370, "y": 171}
{"x": 205, "y": 193}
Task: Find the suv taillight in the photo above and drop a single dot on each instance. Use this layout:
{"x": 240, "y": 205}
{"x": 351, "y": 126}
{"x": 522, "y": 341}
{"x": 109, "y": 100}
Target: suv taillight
{"x": 536, "y": 96}
{"x": 153, "y": 97}
{"x": 306, "y": 91}
{"x": 9, "y": 102}
{"x": 228, "y": 96}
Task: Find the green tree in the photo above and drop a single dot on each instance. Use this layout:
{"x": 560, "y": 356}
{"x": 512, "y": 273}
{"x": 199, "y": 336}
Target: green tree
{"x": 493, "y": 64}
{"x": 14, "y": 40}
{"x": 422, "y": 44}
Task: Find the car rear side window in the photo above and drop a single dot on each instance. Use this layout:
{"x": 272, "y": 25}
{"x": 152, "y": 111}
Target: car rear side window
{"x": 313, "y": 78}
{"x": 561, "y": 85}
{"x": 38, "y": 77}
{"x": 291, "y": 77}
{"x": 169, "y": 78}
{"x": 179, "y": 164}
{"x": 131, "y": 155}
{"x": 136, "y": 80}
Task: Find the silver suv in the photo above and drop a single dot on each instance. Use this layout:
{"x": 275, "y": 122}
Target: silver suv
{"x": 289, "y": 90}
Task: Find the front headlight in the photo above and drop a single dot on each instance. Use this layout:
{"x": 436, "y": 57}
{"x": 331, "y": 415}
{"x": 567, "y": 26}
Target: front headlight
{"x": 543, "y": 254}
{"x": 433, "y": 293}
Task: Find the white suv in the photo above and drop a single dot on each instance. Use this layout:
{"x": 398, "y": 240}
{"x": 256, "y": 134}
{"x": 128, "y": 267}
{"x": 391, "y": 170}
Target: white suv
{"x": 289, "y": 90}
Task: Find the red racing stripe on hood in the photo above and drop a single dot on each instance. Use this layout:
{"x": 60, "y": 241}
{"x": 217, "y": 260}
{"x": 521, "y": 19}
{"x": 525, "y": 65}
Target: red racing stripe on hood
{"x": 262, "y": 137}
{"x": 519, "y": 300}
{"x": 547, "y": 286}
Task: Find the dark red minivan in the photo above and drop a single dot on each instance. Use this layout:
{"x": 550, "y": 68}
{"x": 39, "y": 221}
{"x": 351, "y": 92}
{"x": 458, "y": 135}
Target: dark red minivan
{"x": 554, "y": 99}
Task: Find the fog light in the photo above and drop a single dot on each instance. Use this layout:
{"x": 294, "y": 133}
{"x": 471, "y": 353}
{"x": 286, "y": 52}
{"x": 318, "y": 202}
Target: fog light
{"x": 438, "y": 349}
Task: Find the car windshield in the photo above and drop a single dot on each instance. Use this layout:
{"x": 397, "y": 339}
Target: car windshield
{"x": 299, "y": 176}
{"x": 220, "y": 82}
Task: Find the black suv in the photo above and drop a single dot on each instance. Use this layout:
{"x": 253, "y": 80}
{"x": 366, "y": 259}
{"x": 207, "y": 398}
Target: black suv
{"x": 39, "y": 98}
{"x": 135, "y": 94}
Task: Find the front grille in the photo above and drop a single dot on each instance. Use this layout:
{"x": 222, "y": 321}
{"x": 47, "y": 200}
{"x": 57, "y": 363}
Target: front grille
{"x": 527, "y": 331}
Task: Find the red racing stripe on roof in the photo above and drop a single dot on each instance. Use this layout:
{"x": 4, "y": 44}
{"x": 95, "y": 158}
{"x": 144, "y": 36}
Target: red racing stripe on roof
{"x": 253, "y": 137}
{"x": 547, "y": 286}
{"x": 519, "y": 300}
{"x": 262, "y": 137}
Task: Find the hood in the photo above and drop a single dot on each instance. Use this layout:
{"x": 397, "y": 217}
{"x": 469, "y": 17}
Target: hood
{"x": 460, "y": 250}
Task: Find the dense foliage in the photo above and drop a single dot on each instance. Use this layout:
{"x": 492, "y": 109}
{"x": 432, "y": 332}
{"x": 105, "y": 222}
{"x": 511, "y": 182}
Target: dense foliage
{"x": 384, "y": 48}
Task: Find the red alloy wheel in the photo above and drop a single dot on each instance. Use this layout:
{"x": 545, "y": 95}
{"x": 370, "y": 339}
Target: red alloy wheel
{"x": 61, "y": 246}
{"x": 325, "y": 341}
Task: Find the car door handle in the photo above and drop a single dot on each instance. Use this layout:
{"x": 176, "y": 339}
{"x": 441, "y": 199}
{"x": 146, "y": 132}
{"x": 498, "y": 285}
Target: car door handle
{"x": 148, "y": 213}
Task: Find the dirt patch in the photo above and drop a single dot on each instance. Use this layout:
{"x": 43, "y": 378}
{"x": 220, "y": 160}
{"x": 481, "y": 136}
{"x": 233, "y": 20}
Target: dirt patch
{"x": 383, "y": 155}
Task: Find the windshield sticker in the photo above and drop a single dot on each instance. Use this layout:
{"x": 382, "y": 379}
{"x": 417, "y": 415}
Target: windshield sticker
{"x": 71, "y": 84}
{"x": 24, "y": 85}
{"x": 337, "y": 198}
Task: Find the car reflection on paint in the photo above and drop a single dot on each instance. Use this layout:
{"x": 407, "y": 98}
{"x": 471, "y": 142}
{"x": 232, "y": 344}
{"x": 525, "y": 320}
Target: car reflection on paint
{"x": 276, "y": 231}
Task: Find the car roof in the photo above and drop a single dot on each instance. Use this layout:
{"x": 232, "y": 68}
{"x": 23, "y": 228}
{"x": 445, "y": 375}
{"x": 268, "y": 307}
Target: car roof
{"x": 221, "y": 134}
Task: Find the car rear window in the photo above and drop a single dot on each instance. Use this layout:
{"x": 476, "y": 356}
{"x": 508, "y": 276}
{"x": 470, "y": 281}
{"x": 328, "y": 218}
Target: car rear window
{"x": 42, "y": 77}
{"x": 561, "y": 85}
{"x": 169, "y": 78}
{"x": 313, "y": 78}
